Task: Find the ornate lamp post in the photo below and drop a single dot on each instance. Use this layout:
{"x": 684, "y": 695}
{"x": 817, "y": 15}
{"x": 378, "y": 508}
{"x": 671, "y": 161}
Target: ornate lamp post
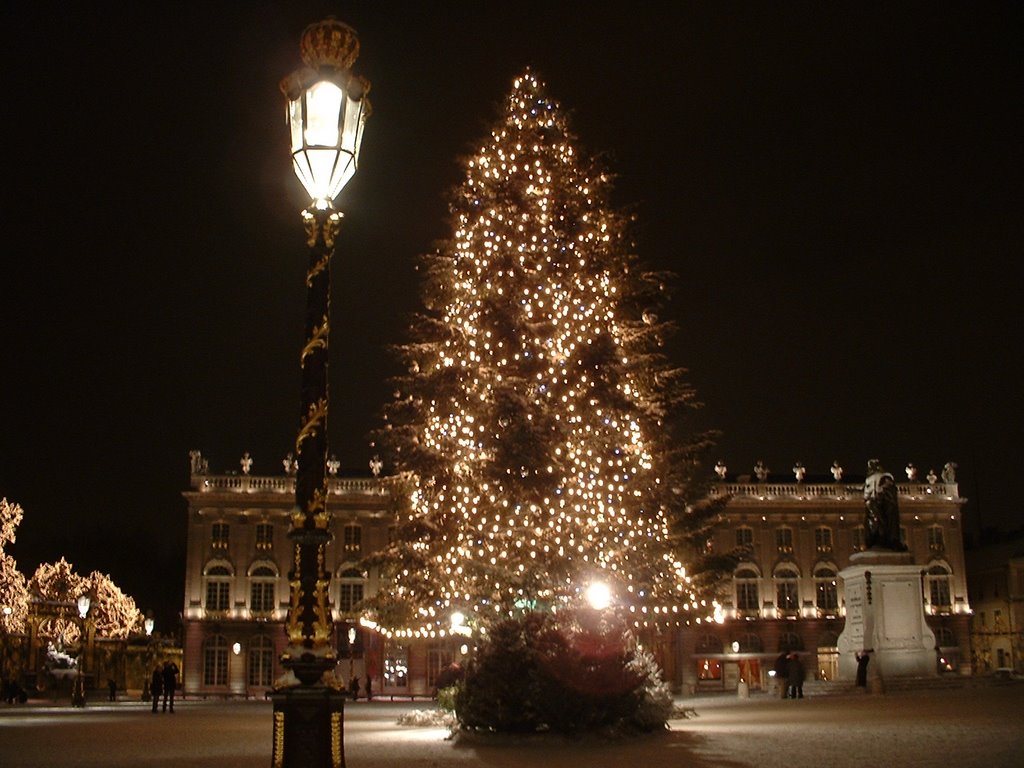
{"x": 326, "y": 110}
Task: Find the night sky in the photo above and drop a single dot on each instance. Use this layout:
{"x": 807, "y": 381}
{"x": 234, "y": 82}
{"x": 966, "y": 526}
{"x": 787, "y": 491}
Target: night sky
{"x": 838, "y": 190}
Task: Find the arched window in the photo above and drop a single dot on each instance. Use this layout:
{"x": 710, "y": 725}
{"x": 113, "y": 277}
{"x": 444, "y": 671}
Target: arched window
{"x": 351, "y": 581}
{"x": 790, "y": 641}
{"x": 826, "y": 590}
{"x": 261, "y": 661}
{"x": 747, "y": 598}
{"x": 218, "y": 587}
{"x": 787, "y": 589}
{"x": 937, "y": 582}
{"x": 215, "y": 660}
{"x": 262, "y": 579}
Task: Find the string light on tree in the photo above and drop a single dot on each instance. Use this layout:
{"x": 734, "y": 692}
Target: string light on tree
{"x": 538, "y": 423}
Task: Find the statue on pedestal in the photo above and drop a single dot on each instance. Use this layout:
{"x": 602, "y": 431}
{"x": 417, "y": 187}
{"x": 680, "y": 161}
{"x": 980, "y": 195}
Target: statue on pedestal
{"x": 881, "y": 510}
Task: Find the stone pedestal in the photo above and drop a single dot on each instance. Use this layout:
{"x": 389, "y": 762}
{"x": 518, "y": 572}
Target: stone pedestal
{"x": 308, "y": 728}
{"x": 885, "y": 615}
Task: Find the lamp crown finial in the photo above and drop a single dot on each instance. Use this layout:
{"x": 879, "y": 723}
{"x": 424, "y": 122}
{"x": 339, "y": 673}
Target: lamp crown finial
{"x": 329, "y": 43}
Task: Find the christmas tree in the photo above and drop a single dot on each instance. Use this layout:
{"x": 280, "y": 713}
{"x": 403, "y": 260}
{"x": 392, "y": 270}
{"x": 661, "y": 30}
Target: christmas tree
{"x": 540, "y": 426}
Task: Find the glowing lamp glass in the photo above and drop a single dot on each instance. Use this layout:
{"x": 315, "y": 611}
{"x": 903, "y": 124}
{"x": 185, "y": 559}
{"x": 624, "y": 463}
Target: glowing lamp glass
{"x": 326, "y": 125}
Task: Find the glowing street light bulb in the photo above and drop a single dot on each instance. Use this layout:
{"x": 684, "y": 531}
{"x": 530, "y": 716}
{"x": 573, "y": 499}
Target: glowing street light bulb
{"x": 599, "y": 595}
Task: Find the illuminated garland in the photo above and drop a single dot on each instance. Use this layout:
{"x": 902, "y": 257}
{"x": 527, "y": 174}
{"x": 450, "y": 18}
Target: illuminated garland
{"x": 531, "y": 400}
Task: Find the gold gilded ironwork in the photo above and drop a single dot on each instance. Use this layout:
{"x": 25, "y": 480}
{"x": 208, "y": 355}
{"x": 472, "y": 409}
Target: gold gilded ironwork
{"x": 278, "y": 740}
{"x": 318, "y": 508}
{"x": 337, "y": 756}
{"x": 321, "y": 226}
{"x": 320, "y": 265}
{"x": 329, "y": 43}
{"x": 318, "y": 340}
{"x": 315, "y": 417}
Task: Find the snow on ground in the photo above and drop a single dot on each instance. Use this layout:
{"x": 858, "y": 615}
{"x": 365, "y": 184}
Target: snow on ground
{"x": 961, "y": 728}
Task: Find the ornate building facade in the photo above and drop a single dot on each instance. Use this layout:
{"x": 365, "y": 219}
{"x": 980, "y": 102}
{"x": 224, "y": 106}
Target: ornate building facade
{"x": 786, "y": 594}
{"x": 237, "y": 591}
{"x": 996, "y": 586}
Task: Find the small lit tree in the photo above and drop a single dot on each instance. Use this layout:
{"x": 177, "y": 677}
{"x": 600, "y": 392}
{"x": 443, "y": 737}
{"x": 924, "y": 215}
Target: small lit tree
{"x": 113, "y": 613}
{"x": 13, "y": 585}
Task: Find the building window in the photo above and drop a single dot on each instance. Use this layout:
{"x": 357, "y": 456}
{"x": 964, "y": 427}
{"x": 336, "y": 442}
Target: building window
{"x": 709, "y": 644}
{"x": 709, "y": 669}
{"x": 745, "y": 537}
{"x": 215, "y": 660}
{"x": 859, "y": 540}
{"x": 823, "y": 539}
{"x": 937, "y": 578}
{"x": 936, "y": 540}
{"x": 352, "y": 540}
{"x": 438, "y": 660}
{"x": 750, "y": 643}
{"x": 261, "y": 662}
{"x": 264, "y": 536}
{"x": 261, "y": 589}
{"x": 790, "y": 641}
{"x": 787, "y": 590}
{"x": 219, "y": 536}
{"x": 826, "y": 591}
{"x": 218, "y": 588}
{"x": 747, "y": 598}
{"x": 351, "y": 589}
{"x": 784, "y": 540}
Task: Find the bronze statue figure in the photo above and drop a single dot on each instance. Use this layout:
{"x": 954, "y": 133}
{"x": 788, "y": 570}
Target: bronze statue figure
{"x": 881, "y": 510}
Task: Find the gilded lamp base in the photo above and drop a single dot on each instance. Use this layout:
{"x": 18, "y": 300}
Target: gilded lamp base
{"x": 308, "y": 722}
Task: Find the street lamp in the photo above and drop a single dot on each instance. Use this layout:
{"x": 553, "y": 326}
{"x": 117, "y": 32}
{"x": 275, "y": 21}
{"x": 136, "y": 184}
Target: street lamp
{"x": 326, "y": 110}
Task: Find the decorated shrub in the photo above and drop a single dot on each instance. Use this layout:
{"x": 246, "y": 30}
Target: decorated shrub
{"x": 569, "y": 672}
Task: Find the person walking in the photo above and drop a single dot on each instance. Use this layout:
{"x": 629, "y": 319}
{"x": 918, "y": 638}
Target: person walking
{"x": 795, "y": 676}
{"x": 156, "y": 686}
{"x": 170, "y": 675}
{"x": 112, "y": 687}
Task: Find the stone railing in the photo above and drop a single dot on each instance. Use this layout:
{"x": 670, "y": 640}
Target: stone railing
{"x": 266, "y": 484}
{"x": 826, "y": 491}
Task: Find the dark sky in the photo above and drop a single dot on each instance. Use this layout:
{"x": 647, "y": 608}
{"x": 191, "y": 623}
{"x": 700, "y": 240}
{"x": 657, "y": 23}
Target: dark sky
{"x": 837, "y": 186}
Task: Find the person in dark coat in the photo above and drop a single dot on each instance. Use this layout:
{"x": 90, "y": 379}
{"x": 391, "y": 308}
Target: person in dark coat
{"x": 170, "y": 675}
{"x": 795, "y": 676}
{"x": 156, "y": 686}
{"x": 353, "y": 687}
{"x": 369, "y": 688}
{"x": 863, "y": 657}
{"x": 112, "y": 687}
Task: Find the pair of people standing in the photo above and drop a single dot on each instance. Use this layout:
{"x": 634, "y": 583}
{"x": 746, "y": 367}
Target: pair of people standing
{"x": 789, "y": 675}
{"x": 164, "y": 681}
